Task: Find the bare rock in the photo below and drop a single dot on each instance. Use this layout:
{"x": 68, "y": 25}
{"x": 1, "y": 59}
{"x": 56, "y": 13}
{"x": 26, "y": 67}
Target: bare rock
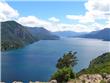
{"x": 53, "y": 81}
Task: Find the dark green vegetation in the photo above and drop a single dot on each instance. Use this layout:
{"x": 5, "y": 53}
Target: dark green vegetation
{"x": 64, "y": 68}
{"x": 14, "y": 35}
{"x": 68, "y": 60}
{"x": 101, "y": 34}
{"x": 64, "y": 73}
{"x": 98, "y": 65}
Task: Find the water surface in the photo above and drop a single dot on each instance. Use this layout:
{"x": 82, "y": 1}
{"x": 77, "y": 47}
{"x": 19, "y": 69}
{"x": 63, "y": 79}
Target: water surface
{"x": 37, "y": 61}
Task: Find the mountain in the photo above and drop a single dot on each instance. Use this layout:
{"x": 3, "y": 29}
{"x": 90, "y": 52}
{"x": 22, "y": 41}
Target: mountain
{"x": 68, "y": 33}
{"x": 99, "y": 65}
{"x": 41, "y": 33}
{"x": 103, "y": 34}
{"x": 14, "y": 35}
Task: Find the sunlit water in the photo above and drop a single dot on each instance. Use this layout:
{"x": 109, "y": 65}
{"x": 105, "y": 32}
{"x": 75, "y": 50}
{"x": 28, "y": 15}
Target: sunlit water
{"x": 37, "y": 61}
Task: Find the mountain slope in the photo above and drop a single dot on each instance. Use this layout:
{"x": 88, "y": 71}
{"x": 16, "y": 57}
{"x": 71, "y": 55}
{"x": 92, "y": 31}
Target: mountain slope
{"x": 98, "y": 65}
{"x": 14, "y": 35}
{"x": 41, "y": 33}
{"x": 101, "y": 34}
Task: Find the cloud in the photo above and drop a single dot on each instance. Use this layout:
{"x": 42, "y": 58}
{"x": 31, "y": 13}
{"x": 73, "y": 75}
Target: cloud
{"x": 100, "y": 9}
{"x": 54, "y": 19}
{"x": 95, "y": 5}
{"x": 7, "y": 12}
{"x": 95, "y": 10}
{"x": 32, "y": 21}
{"x": 74, "y": 17}
{"x": 82, "y": 19}
{"x": 87, "y": 22}
{"x": 76, "y": 27}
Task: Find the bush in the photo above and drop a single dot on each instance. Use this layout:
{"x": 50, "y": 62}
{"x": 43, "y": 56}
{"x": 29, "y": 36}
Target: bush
{"x": 63, "y": 75}
{"x": 102, "y": 81}
{"x": 68, "y": 60}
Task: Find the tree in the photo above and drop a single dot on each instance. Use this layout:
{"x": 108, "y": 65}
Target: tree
{"x": 63, "y": 75}
{"x": 64, "y": 67}
{"x": 68, "y": 60}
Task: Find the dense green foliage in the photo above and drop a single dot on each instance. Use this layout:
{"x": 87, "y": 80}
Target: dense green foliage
{"x": 99, "y": 65}
{"x": 102, "y": 81}
{"x": 68, "y": 60}
{"x": 63, "y": 75}
{"x": 64, "y": 65}
{"x": 14, "y": 35}
{"x": 104, "y": 58}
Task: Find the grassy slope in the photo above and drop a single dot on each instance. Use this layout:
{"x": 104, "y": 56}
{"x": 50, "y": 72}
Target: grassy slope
{"x": 99, "y": 65}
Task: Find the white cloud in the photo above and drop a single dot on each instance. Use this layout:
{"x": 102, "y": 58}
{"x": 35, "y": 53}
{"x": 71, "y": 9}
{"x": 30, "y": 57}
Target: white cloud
{"x": 108, "y": 23}
{"x": 76, "y": 27}
{"x": 95, "y": 5}
{"x": 95, "y": 10}
{"x": 53, "y": 24}
{"x": 74, "y": 17}
{"x": 100, "y": 9}
{"x": 7, "y": 12}
{"x": 32, "y": 21}
{"x": 82, "y": 19}
{"x": 54, "y": 19}
{"x": 2, "y": 17}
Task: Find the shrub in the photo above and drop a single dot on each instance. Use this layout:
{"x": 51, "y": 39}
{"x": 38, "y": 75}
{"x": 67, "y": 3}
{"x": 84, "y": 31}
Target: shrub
{"x": 63, "y": 75}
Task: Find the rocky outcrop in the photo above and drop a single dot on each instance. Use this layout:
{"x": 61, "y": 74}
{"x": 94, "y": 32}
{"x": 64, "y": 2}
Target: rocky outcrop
{"x": 53, "y": 81}
{"x": 94, "y": 78}
{"x": 91, "y": 78}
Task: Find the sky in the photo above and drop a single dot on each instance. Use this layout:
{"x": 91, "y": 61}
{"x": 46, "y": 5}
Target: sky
{"x": 58, "y": 15}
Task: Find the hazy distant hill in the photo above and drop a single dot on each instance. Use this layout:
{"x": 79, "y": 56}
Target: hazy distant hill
{"x": 41, "y": 33}
{"x": 14, "y": 35}
{"x": 68, "y": 33}
{"x": 101, "y": 34}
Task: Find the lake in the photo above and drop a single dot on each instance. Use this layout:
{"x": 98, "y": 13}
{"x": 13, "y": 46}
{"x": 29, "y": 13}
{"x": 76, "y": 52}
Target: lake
{"x": 36, "y": 62}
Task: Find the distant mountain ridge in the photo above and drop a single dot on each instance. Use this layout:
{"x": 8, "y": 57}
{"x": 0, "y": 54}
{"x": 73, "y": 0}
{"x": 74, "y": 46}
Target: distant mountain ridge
{"x": 41, "y": 33}
{"x": 14, "y": 35}
{"x": 68, "y": 33}
{"x": 103, "y": 34}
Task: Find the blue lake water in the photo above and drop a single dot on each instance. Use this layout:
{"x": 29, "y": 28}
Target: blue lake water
{"x": 36, "y": 62}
